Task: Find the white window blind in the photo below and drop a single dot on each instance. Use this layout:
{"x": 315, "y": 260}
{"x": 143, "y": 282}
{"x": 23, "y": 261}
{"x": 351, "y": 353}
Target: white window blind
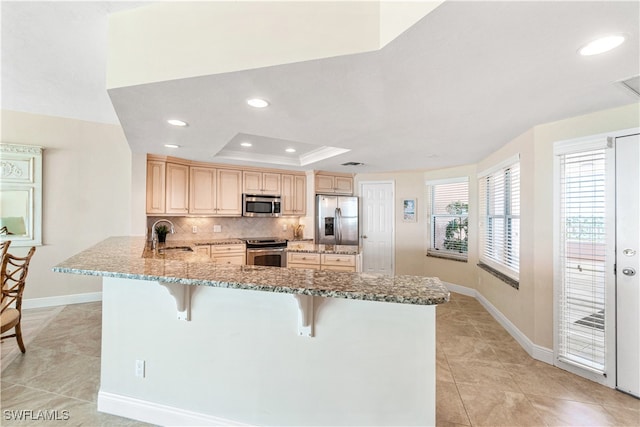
{"x": 500, "y": 219}
{"x": 582, "y": 252}
{"x": 449, "y": 214}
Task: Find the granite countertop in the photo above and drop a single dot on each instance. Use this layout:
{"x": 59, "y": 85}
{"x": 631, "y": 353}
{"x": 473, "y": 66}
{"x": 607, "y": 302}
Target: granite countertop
{"x": 122, "y": 257}
{"x": 211, "y": 242}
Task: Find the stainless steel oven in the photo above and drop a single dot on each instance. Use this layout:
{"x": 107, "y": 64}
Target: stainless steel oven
{"x": 267, "y": 251}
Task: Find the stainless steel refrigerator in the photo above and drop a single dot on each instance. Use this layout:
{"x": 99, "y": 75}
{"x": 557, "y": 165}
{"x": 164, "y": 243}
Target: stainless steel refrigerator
{"x": 336, "y": 220}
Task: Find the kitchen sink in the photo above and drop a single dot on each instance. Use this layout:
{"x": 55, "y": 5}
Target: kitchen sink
{"x": 175, "y": 249}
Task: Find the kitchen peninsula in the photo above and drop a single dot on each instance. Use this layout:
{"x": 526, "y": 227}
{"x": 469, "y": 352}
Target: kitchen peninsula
{"x": 186, "y": 341}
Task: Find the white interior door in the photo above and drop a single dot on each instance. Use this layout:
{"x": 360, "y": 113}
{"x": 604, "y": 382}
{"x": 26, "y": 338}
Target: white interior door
{"x": 627, "y": 263}
{"x": 377, "y": 229}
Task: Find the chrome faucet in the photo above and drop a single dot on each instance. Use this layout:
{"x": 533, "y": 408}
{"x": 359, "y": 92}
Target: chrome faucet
{"x": 154, "y": 235}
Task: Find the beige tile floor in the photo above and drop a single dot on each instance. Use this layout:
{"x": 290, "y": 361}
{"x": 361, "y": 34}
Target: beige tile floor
{"x": 60, "y": 370}
{"x": 484, "y": 378}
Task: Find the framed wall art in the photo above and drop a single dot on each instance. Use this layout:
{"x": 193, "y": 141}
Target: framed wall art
{"x": 409, "y": 212}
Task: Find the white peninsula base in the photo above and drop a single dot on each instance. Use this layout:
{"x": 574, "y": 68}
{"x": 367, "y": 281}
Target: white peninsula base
{"x": 240, "y": 359}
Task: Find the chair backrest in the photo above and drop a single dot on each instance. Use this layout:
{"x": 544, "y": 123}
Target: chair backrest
{"x": 4, "y": 247}
{"x": 13, "y": 277}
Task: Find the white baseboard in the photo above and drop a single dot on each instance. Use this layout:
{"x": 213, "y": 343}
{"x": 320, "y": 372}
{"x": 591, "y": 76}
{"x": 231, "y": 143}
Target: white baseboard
{"x": 61, "y": 300}
{"x": 458, "y": 289}
{"x": 154, "y": 413}
{"x": 538, "y": 352}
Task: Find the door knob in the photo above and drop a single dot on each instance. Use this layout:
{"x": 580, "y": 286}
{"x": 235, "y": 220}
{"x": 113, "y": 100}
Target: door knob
{"x": 364, "y": 237}
{"x": 628, "y": 271}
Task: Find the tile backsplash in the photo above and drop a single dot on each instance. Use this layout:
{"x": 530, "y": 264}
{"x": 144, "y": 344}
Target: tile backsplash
{"x": 229, "y": 227}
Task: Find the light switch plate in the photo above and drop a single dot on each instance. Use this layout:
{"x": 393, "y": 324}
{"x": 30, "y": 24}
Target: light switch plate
{"x": 217, "y": 228}
{"x": 140, "y": 368}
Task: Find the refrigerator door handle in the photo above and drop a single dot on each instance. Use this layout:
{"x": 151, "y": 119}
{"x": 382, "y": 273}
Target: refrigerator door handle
{"x": 338, "y": 226}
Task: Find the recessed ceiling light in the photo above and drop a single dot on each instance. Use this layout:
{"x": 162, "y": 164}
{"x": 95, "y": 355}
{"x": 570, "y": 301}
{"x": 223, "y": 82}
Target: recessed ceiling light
{"x": 290, "y": 150}
{"x": 601, "y": 45}
{"x": 246, "y": 144}
{"x": 176, "y": 122}
{"x": 257, "y": 102}
{"x": 171, "y": 146}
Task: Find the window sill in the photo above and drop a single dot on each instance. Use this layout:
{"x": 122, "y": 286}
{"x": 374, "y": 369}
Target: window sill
{"x": 447, "y": 255}
{"x": 506, "y": 279}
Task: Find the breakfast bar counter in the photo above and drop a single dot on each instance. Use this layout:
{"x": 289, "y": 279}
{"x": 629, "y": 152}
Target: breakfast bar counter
{"x": 131, "y": 258}
{"x": 188, "y": 342}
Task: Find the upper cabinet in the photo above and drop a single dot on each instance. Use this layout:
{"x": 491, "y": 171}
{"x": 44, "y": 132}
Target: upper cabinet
{"x": 215, "y": 191}
{"x": 294, "y": 194}
{"x": 229, "y": 192}
{"x": 256, "y": 182}
{"x": 177, "y": 189}
{"x": 333, "y": 183}
{"x": 202, "y": 195}
{"x": 156, "y": 186}
{"x": 182, "y": 187}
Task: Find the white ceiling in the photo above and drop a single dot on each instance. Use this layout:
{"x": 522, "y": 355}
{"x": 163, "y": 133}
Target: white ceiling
{"x": 459, "y": 84}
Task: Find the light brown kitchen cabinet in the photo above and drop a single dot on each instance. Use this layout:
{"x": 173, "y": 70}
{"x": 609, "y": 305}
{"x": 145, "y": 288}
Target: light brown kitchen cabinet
{"x": 234, "y": 254}
{"x": 333, "y": 184}
{"x": 184, "y": 187}
{"x": 256, "y": 182}
{"x": 294, "y": 194}
{"x": 338, "y": 262}
{"x": 155, "y": 187}
{"x": 215, "y": 191}
{"x": 203, "y": 250}
{"x": 202, "y": 197}
{"x": 177, "y": 189}
{"x": 229, "y": 192}
{"x": 303, "y": 260}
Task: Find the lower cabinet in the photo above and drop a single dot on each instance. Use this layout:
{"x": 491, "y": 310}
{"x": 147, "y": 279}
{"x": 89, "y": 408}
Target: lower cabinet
{"x": 203, "y": 250}
{"x": 338, "y": 262}
{"x": 303, "y": 260}
{"x": 316, "y": 261}
{"x": 229, "y": 254}
{"x": 224, "y": 254}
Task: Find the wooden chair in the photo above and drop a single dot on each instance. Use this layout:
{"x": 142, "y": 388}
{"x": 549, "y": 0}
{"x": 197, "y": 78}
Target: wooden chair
{"x": 4, "y": 247}
{"x": 14, "y": 275}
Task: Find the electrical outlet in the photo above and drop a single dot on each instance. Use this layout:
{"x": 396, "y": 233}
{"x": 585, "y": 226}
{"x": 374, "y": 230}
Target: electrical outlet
{"x": 284, "y": 227}
{"x": 194, "y": 229}
{"x": 140, "y": 368}
{"x": 217, "y": 228}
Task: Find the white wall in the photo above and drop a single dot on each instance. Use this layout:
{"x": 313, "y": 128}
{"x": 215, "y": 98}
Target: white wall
{"x": 86, "y": 194}
{"x": 203, "y": 37}
{"x": 530, "y": 308}
{"x": 241, "y": 359}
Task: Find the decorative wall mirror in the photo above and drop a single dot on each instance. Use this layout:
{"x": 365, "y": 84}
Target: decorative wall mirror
{"x": 21, "y": 194}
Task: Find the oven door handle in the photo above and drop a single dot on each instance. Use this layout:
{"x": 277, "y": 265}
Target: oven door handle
{"x": 266, "y": 250}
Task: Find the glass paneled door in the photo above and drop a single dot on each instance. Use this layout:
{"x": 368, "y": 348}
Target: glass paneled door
{"x": 628, "y": 264}
{"x": 582, "y": 260}
{"x": 596, "y": 261}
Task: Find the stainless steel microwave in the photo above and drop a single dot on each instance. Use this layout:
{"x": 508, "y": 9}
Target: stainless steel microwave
{"x": 259, "y": 205}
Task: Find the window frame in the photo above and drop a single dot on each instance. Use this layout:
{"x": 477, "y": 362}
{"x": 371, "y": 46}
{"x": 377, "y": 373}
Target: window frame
{"x": 431, "y": 250}
{"x": 501, "y": 268}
